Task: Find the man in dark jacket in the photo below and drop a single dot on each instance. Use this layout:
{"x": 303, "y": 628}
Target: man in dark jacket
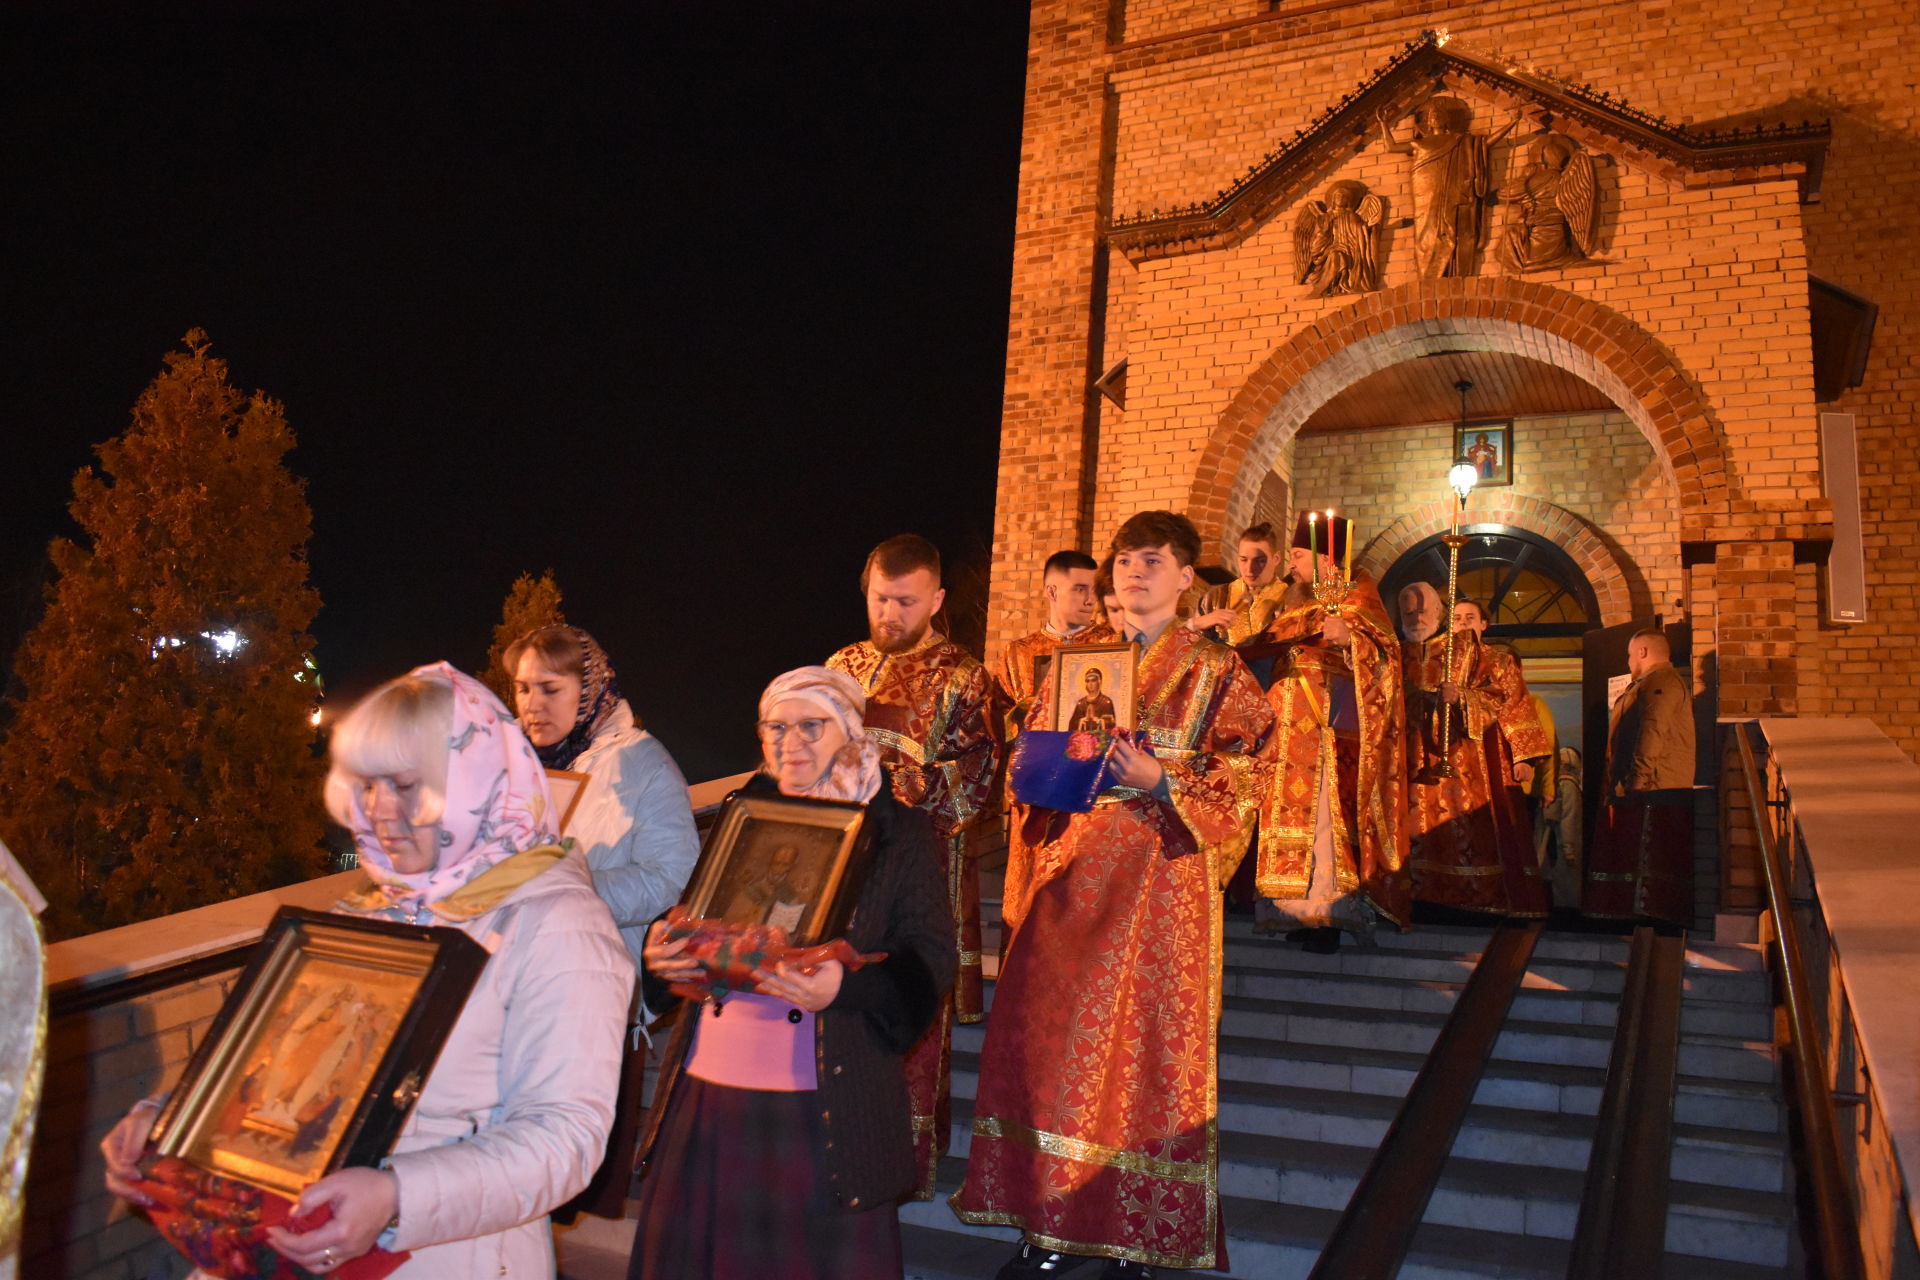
{"x": 1641, "y": 861}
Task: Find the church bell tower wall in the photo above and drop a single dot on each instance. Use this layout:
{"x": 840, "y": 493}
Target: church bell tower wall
{"x": 1689, "y": 311}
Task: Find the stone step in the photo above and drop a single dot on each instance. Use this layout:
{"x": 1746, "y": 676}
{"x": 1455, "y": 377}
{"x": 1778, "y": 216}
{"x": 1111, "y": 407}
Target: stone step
{"x": 1250, "y": 1024}
{"x": 1526, "y": 1086}
{"x": 1275, "y": 1241}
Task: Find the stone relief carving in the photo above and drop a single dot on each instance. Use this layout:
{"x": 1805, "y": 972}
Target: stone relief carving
{"x": 1553, "y": 203}
{"x": 1452, "y": 180}
{"x": 1336, "y": 241}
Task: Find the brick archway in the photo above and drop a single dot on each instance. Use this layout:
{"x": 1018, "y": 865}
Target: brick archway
{"x": 1612, "y": 588}
{"x": 1491, "y": 313}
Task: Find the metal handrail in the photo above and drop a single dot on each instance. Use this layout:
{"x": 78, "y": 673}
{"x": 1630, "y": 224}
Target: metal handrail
{"x": 1375, "y": 1231}
{"x": 1835, "y": 1231}
{"x": 1623, "y": 1210}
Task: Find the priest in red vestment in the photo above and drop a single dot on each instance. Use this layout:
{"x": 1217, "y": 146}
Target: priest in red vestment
{"x": 1067, "y": 582}
{"x": 1332, "y": 848}
{"x": 1471, "y": 842}
{"x": 1094, "y": 1125}
{"x": 929, "y": 707}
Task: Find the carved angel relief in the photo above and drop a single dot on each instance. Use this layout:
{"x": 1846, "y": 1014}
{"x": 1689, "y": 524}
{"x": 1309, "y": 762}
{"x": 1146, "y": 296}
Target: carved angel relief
{"x": 1336, "y": 241}
{"x": 1555, "y": 206}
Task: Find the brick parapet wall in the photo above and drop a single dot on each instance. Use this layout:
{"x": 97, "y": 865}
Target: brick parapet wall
{"x": 99, "y": 1063}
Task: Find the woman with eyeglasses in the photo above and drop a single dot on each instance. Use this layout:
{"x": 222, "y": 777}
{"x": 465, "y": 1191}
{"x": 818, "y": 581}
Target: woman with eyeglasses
{"x": 779, "y": 1141}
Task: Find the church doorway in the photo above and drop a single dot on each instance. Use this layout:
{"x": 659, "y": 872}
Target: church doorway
{"x": 1537, "y": 601}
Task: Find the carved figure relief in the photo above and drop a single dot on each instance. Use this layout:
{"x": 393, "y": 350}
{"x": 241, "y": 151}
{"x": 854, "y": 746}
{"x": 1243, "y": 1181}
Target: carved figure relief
{"x": 1555, "y": 206}
{"x": 1336, "y": 241}
{"x": 1452, "y": 179}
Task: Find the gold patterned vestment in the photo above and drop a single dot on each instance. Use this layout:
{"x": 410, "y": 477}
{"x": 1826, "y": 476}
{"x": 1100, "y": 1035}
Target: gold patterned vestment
{"x": 1337, "y": 712}
{"x": 1094, "y": 1124}
{"x": 1023, "y": 669}
{"x": 930, "y": 710}
{"x": 1471, "y": 840}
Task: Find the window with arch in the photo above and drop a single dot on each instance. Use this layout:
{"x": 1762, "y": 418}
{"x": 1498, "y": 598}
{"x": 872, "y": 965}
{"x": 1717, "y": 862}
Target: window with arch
{"x": 1535, "y": 595}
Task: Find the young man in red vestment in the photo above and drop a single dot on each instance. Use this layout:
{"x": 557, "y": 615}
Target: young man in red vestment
{"x": 1094, "y": 1124}
{"x": 1471, "y": 842}
{"x": 929, "y": 707}
{"x": 1068, "y": 583}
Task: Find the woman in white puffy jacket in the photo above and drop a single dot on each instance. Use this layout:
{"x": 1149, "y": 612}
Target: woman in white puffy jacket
{"x": 633, "y": 821}
{"x": 451, "y": 816}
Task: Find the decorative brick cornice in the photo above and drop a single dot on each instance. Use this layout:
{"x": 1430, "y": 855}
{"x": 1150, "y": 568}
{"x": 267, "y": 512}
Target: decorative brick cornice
{"x": 1426, "y": 66}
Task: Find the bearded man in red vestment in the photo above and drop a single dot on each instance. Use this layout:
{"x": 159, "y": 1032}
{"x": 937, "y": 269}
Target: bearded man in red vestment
{"x": 1094, "y": 1126}
{"x": 929, "y": 709}
{"x": 1332, "y": 850}
{"x": 1471, "y": 842}
{"x": 1068, "y": 583}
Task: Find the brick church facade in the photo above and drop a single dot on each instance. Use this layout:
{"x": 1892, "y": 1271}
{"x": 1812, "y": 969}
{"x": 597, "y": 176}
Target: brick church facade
{"x": 1170, "y": 344}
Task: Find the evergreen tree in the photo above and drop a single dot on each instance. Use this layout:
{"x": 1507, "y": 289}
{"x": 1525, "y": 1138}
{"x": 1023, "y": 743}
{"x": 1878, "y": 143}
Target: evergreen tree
{"x": 160, "y": 755}
{"x": 531, "y": 602}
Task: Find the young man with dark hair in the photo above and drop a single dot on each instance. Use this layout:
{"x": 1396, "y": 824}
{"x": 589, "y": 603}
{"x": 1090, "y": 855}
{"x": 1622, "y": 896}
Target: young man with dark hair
{"x": 929, "y": 709}
{"x": 1094, "y": 1125}
{"x": 1068, "y": 584}
{"x": 1332, "y": 845}
{"x": 1238, "y": 611}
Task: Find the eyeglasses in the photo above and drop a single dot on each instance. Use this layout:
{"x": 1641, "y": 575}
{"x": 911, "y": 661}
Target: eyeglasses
{"x": 772, "y": 731}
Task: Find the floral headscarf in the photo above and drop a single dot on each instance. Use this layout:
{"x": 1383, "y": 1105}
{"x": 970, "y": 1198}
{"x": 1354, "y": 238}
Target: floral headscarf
{"x": 599, "y": 695}
{"x": 496, "y": 806}
{"x": 855, "y": 771}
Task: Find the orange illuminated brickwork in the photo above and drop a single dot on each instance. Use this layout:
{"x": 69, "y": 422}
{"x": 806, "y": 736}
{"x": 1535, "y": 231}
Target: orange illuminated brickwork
{"x": 1703, "y": 486}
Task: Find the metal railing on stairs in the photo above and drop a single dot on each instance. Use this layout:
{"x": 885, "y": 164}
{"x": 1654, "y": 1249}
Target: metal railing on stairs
{"x": 1376, "y": 1229}
{"x": 1622, "y": 1229}
{"x": 1835, "y": 1243}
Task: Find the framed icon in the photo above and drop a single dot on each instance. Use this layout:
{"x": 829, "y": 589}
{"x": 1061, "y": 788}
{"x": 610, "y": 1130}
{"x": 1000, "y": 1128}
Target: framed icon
{"x": 566, "y": 786}
{"x": 1093, "y": 689}
{"x": 315, "y": 1059}
{"x": 788, "y": 861}
{"x": 1488, "y": 446}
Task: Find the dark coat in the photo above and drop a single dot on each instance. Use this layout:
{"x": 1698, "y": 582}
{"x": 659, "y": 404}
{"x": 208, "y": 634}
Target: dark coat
{"x": 1650, "y": 743}
{"x": 861, "y": 1039}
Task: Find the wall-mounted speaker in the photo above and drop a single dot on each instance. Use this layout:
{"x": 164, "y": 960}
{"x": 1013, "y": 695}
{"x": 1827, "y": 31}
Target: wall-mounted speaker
{"x": 1846, "y": 563}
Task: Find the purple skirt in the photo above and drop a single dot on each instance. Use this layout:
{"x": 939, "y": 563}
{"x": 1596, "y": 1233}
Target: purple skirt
{"x": 736, "y": 1188}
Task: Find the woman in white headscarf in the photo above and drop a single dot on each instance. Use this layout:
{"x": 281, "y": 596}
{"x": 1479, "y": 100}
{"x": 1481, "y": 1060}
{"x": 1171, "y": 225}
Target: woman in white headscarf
{"x": 450, "y": 814}
{"x": 781, "y": 1142}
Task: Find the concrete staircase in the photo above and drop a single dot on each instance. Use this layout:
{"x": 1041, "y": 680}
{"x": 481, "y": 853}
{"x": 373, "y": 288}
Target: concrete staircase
{"x": 1317, "y": 1051}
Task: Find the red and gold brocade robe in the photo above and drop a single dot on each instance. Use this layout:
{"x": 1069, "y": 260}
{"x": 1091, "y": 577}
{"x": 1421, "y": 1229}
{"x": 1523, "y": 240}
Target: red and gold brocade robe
{"x": 1023, "y": 668}
{"x": 1471, "y": 838}
{"x": 930, "y": 710}
{"x": 1094, "y": 1125}
{"x": 1369, "y": 795}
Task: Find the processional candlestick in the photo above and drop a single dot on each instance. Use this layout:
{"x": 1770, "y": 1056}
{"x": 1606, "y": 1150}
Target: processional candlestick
{"x": 1460, "y": 478}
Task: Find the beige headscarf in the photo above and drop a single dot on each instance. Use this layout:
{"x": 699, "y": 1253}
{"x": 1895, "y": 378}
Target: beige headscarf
{"x": 855, "y": 771}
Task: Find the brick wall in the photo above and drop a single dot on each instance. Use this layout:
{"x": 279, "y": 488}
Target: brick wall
{"x": 1595, "y": 468}
{"x": 99, "y": 1063}
{"x": 1145, "y": 105}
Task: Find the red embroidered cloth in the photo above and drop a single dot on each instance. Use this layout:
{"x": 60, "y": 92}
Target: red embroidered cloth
{"x": 220, "y": 1225}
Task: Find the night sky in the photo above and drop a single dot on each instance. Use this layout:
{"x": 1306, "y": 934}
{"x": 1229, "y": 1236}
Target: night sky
{"x": 692, "y": 308}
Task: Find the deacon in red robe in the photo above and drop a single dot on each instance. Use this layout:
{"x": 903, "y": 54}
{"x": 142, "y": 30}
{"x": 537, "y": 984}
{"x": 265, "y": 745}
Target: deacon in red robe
{"x": 1067, "y": 583}
{"x": 1471, "y": 841}
{"x": 929, "y": 707}
{"x": 1094, "y": 1127}
{"x": 1332, "y": 846}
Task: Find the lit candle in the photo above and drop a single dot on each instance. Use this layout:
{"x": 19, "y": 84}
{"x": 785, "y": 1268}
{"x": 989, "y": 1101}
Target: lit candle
{"x": 1313, "y": 543}
{"x": 1330, "y": 539}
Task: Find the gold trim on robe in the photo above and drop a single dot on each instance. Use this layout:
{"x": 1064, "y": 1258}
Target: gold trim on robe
{"x": 1094, "y": 1126}
{"x": 1369, "y": 796}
